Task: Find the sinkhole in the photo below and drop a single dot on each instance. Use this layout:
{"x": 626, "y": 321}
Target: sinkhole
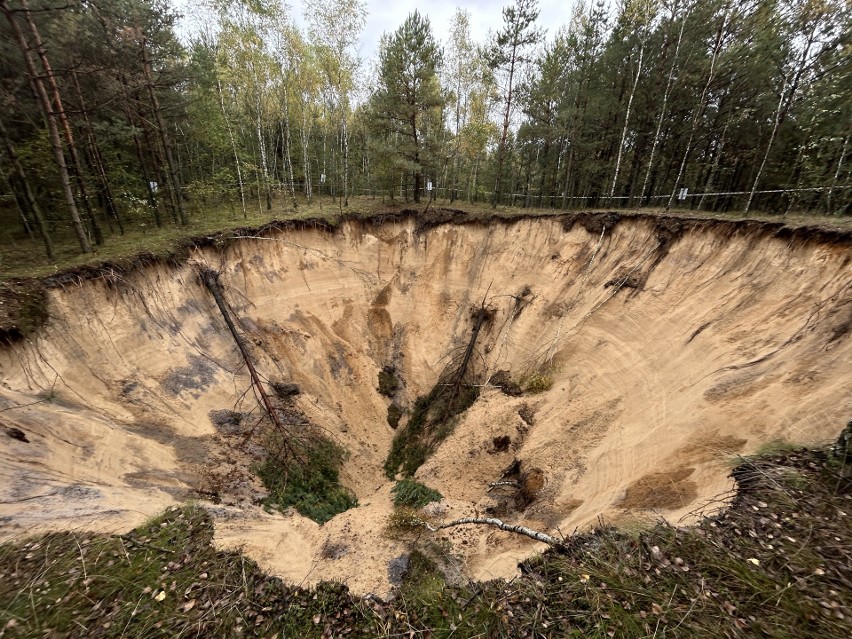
{"x": 553, "y": 372}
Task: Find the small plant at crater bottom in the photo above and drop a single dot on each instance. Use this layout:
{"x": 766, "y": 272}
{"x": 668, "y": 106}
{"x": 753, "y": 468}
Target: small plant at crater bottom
{"x": 538, "y": 383}
{"x": 413, "y": 494}
{"x": 404, "y": 521}
{"x": 388, "y": 383}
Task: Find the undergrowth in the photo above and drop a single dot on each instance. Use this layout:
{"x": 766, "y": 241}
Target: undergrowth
{"x": 163, "y": 579}
{"x": 775, "y": 563}
{"x": 413, "y": 494}
{"x": 311, "y": 483}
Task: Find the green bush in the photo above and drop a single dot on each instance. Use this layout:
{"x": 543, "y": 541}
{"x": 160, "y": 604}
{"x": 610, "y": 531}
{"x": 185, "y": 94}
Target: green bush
{"x": 311, "y": 484}
{"x": 404, "y": 521}
{"x": 413, "y": 494}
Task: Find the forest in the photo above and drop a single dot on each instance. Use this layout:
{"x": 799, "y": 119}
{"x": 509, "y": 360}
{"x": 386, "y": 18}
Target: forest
{"x": 116, "y": 115}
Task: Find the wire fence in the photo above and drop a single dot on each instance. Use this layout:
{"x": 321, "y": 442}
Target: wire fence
{"x": 835, "y": 199}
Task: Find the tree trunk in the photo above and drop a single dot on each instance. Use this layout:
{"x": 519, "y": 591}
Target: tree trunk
{"x": 626, "y": 123}
{"x": 781, "y": 112}
{"x": 164, "y": 136}
{"x": 345, "y": 141}
{"x": 55, "y": 142}
{"x": 417, "y": 173}
{"x": 305, "y": 136}
{"x": 233, "y": 147}
{"x": 835, "y": 176}
{"x": 491, "y": 521}
{"x": 288, "y": 160}
{"x": 210, "y": 278}
{"x": 32, "y": 203}
{"x": 643, "y": 195}
{"x": 700, "y": 107}
{"x": 59, "y": 111}
{"x": 261, "y": 143}
{"x": 501, "y": 151}
{"x": 97, "y": 160}
{"x": 708, "y": 185}
{"x": 140, "y": 155}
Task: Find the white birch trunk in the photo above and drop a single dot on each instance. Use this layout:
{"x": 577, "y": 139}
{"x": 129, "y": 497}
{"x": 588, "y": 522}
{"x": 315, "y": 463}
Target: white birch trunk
{"x": 666, "y": 94}
{"x": 234, "y": 147}
{"x": 699, "y": 109}
{"x": 626, "y": 122}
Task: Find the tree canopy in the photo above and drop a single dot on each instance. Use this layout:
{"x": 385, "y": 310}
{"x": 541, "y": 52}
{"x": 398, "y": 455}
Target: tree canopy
{"x": 111, "y": 120}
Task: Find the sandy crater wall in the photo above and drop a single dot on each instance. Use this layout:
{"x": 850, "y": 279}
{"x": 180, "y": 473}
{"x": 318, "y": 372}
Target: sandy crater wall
{"x": 671, "y": 349}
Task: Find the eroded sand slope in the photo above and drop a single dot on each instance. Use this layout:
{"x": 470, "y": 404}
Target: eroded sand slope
{"x": 672, "y": 348}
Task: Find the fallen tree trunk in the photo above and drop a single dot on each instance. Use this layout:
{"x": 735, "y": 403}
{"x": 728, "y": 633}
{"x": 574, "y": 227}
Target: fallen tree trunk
{"x": 210, "y": 278}
{"x": 497, "y": 523}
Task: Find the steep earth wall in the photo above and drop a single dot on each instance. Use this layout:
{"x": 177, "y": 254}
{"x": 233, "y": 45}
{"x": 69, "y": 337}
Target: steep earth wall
{"x": 672, "y": 347}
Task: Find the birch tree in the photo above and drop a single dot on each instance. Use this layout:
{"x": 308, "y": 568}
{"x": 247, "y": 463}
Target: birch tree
{"x": 640, "y": 14}
{"x": 814, "y": 27}
{"x": 335, "y": 28}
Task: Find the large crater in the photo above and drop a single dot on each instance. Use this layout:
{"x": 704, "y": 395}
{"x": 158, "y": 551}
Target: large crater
{"x": 672, "y": 347}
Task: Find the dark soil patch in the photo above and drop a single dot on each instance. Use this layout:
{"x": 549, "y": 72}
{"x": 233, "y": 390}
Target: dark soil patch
{"x": 503, "y": 380}
{"x": 661, "y": 491}
{"x": 23, "y": 308}
{"x": 229, "y": 422}
{"x": 388, "y": 382}
{"x": 197, "y": 375}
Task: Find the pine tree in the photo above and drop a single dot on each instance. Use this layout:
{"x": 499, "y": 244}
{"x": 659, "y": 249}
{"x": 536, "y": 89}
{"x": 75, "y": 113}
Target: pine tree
{"x": 509, "y": 55}
{"x": 407, "y": 103}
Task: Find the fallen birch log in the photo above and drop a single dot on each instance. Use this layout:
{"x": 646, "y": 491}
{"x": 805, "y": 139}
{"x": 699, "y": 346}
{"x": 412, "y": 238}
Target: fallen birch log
{"x": 497, "y": 523}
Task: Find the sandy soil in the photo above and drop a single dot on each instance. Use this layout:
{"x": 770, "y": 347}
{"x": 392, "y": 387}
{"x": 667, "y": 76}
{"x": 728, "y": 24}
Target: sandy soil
{"x": 728, "y": 341}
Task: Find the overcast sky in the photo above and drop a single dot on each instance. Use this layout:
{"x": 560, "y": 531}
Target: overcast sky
{"x": 387, "y": 15}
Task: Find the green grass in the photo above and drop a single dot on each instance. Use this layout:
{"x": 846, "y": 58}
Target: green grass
{"x": 21, "y": 256}
{"x": 773, "y": 564}
{"x": 163, "y": 579}
{"x": 413, "y": 494}
{"x": 311, "y": 484}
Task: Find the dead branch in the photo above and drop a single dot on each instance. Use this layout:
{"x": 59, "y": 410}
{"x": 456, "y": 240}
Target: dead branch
{"x": 491, "y": 521}
{"x": 497, "y": 484}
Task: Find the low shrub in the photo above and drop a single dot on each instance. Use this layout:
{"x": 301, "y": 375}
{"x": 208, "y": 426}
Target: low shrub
{"x": 413, "y": 494}
{"x": 310, "y": 484}
{"x": 538, "y": 383}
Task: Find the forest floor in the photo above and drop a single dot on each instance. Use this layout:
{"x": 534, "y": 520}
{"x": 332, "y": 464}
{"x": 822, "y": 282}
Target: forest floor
{"x": 775, "y": 563}
{"x": 23, "y": 257}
